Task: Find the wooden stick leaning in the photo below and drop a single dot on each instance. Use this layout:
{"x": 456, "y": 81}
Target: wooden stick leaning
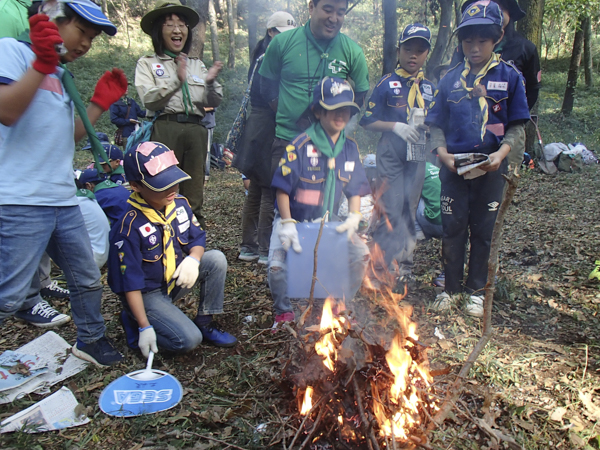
{"x": 455, "y": 389}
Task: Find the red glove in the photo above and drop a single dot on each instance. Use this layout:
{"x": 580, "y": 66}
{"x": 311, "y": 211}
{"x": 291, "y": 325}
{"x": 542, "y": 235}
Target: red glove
{"x": 110, "y": 88}
{"x": 44, "y": 37}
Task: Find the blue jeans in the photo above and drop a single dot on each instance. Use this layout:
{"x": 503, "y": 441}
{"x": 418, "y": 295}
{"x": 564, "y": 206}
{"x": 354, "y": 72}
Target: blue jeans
{"x": 25, "y": 233}
{"x": 358, "y": 253}
{"x": 175, "y": 332}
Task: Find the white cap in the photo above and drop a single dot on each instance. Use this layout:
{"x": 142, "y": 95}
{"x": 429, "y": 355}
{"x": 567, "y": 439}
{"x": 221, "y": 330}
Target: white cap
{"x": 281, "y": 20}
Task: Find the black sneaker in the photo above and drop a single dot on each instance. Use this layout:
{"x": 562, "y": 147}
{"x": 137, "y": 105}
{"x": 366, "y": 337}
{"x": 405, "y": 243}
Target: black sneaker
{"x": 102, "y": 352}
{"x": 43, "y": 315}
{"x": 55, "y": 291}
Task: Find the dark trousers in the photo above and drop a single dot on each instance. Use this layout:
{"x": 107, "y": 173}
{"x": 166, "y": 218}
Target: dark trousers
{"x": 257, "y": 220}
{"x": 400, "y": 183}
{"x": 189, "y": 142}
{"x": 469, "y": 210}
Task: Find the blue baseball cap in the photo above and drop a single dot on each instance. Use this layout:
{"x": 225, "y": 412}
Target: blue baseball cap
{"x": 482, "y": 12}
{"x": 154, "y": 165}
{"x": 113, "y": 152}
{"x": 334, "y": 93}
{"x": 90, "y": 176}
{"x": 88, "y": 10}
{"x": 102, "y": 137}
{"x": 415, "y": 31}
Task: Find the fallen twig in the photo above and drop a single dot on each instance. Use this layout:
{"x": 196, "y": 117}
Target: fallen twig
{"x": 216, "y": 440}
{"x": 363, "y": 418}
{"x": 454, "y": 390}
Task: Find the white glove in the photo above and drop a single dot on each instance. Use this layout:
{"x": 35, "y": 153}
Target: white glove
{"x": 406, "y": 132}
{"x": 187, "y": 272}
{"x": 288, "y": 235}
{"x": 147, "y": 341}
{"x": 350, "y": 225}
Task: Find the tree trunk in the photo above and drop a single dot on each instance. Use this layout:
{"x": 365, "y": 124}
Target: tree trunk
{"x": 252, "y": 23}
{"x": 390, "y": 35}
{"x": 214, "y": 33}
{"x": 530, "y": 26}
{"x": 201, "y": 7}
{"x": 105, "y": 8}
{"x": 231, "y": 26}
{"x": 587, "y": 52}
{"x": 443, "y": 37}
{"x": 457, "y": 13}
{"x": 569, "y": 98}
{"x": 376, "y": 10}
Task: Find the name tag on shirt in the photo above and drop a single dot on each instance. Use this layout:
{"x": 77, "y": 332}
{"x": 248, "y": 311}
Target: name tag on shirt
{"x": 182, "y": 215}
{"x": 427, "y": 97}
{"x": 184, "y": 226}
{"x": 497, "y": 85}
{"x": 311, "y": 151}
{"x": 197, "y": 79}
{"x": 349, "y": 166}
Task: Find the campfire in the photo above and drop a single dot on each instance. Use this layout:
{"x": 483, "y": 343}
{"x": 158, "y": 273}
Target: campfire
{"x": 352, "y": 393}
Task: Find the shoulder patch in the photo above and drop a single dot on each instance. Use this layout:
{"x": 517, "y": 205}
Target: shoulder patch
{"x": 292, "y": 156}
{"x": 285, "y": 170}
{"x": 290, "y": 148}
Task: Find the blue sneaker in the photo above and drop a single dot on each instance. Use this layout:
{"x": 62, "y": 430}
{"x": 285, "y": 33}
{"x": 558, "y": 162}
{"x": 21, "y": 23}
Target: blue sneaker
{"x": 132, "y": 332}
{"x": 213, "y": 334}
{"x": 42, "y": 315}
{"x": 101, "y": 352}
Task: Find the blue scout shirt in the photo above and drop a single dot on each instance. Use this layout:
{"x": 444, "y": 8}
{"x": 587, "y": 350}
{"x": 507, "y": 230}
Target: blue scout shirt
{"x": 459, "y": 115}
{"x": 390, "y": 97}
{"x": 302, "y": 173}
{"x": 112, "y": 198}
{"x": 117, "y": 178}
{"x": 136, "y": 248}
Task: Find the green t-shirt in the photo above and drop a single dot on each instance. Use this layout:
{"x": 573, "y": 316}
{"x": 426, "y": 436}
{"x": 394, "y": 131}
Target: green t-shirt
{"x": 432, "y": 189}
{"x": 13, "y": 17}
{"x": 295, "y": 61}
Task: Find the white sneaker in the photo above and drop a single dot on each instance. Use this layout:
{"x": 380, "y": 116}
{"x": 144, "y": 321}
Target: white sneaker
{"x": 474, "y": 306}
{"x": 442, "y": 302}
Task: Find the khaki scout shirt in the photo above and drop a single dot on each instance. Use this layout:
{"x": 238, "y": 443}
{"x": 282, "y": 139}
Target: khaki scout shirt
{"x": 159, "y": 87}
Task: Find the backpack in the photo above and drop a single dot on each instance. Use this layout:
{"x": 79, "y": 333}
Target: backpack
{"x": 142, "y": 134}
{"x": 216, "y": 156}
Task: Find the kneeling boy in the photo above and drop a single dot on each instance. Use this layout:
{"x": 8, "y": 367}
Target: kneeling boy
{"x": 157, "y": 256}
{"x": 319, "y": 165}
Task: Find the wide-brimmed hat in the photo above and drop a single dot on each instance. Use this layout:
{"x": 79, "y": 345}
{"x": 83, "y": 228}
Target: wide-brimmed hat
{"x": 162, "y": 7}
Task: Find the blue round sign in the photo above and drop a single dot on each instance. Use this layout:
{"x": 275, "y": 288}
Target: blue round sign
{"x": 130, "y": 396}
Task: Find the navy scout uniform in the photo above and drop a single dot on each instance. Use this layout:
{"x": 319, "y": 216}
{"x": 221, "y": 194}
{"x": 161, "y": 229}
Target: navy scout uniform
{"x": 400, "y": 180}
{"x": 136, "y": 251}
{"x": 473, "y": 204}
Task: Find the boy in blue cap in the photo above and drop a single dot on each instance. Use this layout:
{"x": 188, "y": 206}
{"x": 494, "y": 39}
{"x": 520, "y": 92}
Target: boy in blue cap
{"x": 318, "y": 166}
{"x": 157, "y": 256}
{"x": 400, "y": 177}
{"x": 38, "y": 208}
{"x": 480, "y": 107}
{"x": 111, "y": 197}
{"x": 114, "y": 166}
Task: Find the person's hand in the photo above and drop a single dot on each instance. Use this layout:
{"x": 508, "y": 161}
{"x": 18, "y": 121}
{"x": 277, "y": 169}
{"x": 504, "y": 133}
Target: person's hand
{"x": 187, "y": 272}
{"x": 213, "y": 72}
{"x": 181, "y": 62}
{"x": 110, "y": 88}
{"x": 494, "y": 163}
{"x": 350, "y": 225}
{"x": 447, "y": 159}
{"x": 44, "y": 37}
{"x": 147, "y": 341}
{"x": 406, "y": 132}
{"x": 288, "y": 235}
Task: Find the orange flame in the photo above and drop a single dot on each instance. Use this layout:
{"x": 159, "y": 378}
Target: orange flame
{"x": 307, "y": 403}
{"x": 326, "y": 345}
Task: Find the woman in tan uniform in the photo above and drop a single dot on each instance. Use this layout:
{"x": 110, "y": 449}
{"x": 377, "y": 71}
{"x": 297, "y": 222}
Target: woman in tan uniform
{"x": 178, "y": 88}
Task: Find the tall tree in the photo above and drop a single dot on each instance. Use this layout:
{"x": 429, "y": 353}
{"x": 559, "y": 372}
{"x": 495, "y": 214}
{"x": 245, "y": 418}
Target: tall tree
{"x": 530, "y": 26}
{"x": 569, "y": 97}
{"x": 214, "y": 33}
{"x": 443, "y": 37}
{"x": 231, "y": 25}
{"x": 390, "y": 35}
{"x": 252, "y": 24}
{"x": 199, "y": 32}
{"x": 587, "y": 51}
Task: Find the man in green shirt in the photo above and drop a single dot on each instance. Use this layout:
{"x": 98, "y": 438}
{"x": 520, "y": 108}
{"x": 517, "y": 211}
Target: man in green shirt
{"x": 297, "y": 60}
{"x": 13, "y": 17}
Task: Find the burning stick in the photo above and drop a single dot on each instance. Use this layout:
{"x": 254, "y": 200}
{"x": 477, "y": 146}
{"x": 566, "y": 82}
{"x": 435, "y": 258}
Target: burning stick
{"x": 454, "y": 390}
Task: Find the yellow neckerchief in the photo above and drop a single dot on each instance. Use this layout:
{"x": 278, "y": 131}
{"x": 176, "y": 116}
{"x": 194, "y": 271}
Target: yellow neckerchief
{"x": 415, "y": 92}
{"x": 493, "y": 62}
{"x": 156, "y": 217}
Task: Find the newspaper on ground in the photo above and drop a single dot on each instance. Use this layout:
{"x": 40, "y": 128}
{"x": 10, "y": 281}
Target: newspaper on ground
{"x": 467, "y": 164}
{"x": 18, "y": 368}
{"x": 60, "y": 410}
{"x": 56, "y": 352}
